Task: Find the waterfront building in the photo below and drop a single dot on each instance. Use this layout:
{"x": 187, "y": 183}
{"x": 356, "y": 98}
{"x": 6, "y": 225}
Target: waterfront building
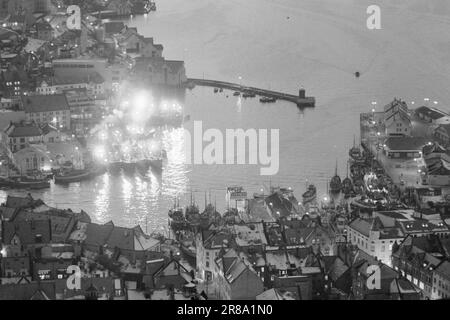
{"x": 430, "y": 115}
{"x": 374, "y": 238}
{"x": 84, "y": 111}
{"x": 404, "y": 147}
{"x": 19, "y": 135}
{"x": 52, "y": 109}
{"x": 94, "y": 84}
{"x": 397, "y": 121}
{"x": 131, "y": 42}
{"x": 113, "y": 74}
{"x": 32, "y": 159}
{"x": 159, "y": 71}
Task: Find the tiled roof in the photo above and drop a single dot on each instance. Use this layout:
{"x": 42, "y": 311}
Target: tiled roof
{"x": 28, "y": 291}
{"x": 23, "y": 129}
{"x": 406, "y": 143}
{"x": 27, "y": 231}
{"x": 433, "y": 113}
{"x": 45, "y": 103}
{"x": 444, "y": 269}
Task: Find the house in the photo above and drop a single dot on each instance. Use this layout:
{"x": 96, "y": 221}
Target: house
{"x": 14, "y": 81}
{"x": 96, "y": 237}
{"x": 249, "y": 236}
{"x": 20, "y": 135}
{"x": 209, "y": 243}
{"x": 374, "y": 238}
{"x": 20, "y": 236}
{"x": 52, "y": 109}
{"x": 430, "y": 115}
{"x": 121, "y": 8}
{"x": 22, "y": 202}
{"x": 442, "y": 134}
{"x": 93, "y": 82}
{"x": 397, "y": 120}
{"x": 299, "y": 287}
{"x": 441, "y": 281}
{"x": 171, "y": 275}
{"x": 319, "y": 238}
{"x": 276, "y": 294}
{"x": 389, "y": 288}
{"x": 92, "y": 288}
{"x": 51, "y": 268}
{"x": 15, "y": 267}
{"x": 159, "y": 71}
{"x": 31, "y": 159}
{"x": 418, "y": 259}
{"x": 413, "y": 223}
{"x": 404, "y": 147}
{"x": 28, "y": 291}
{"x": 234, "y": 279}
{"x": 62, "y": 222}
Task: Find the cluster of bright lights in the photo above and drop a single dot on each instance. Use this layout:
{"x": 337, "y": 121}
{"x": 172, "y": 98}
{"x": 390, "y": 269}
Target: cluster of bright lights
{"x": 125, "y": 134}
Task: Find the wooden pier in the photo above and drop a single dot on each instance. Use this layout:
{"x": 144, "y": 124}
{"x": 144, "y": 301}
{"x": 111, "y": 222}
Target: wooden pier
{"x": 301, "y": 100}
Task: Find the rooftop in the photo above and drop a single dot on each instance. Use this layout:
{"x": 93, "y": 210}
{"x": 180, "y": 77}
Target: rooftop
{"x": 45, "y": 103}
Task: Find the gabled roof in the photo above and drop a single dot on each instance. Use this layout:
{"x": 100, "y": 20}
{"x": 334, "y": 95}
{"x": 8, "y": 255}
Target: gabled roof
{"x": 406, "y": 143}
{"x": 21, "y": 202}
{"x": 27, "y": 231}
{"x": 23, "y": 129}
{"x": 45, "y": 103}
{"x": 34, "y": 290}
{"x": 432, "y": 113}
{"x": 445, "y": 127}
{"x": 114, "y": 27}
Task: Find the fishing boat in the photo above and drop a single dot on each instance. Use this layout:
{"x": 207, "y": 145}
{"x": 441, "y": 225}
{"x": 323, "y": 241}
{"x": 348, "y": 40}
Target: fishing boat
{"x": 267, "y": 100}
{"x": 347, "y": 184}
{"x": 114, "y": 168}
{"x": 25, "y": 182}
{"x": 129, "y": 168}
{"x": 69, "y": 176}
{"x": 356, "y": 154}
{"x": 335, "y": 182}
{"x": 249, "y": 94}
{"x": 177, "y": 221}
{"x": 236, "y": 94}
{"x": 143, "y": 165}
{"x": 156, "y": 164}
{"x": 310, "y": 195}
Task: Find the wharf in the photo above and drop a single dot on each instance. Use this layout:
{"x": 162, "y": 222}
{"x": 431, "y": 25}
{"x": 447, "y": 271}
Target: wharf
{"x": 301, "y": 100}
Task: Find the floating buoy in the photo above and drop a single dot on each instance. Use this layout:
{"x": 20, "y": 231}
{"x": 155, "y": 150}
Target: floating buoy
{"x": 357, "y": 74}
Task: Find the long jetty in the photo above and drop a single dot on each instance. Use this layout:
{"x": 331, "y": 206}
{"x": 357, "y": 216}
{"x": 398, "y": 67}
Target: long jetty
{"x": 302, "y": 101}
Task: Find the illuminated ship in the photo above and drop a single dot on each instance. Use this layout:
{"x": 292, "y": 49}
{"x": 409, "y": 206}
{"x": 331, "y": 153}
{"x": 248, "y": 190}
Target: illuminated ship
{"x": 310, "y": 195}
{"x": 335, "y": 183}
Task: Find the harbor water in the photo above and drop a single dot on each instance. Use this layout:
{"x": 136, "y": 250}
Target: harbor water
{"x": 279, "y": 45}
